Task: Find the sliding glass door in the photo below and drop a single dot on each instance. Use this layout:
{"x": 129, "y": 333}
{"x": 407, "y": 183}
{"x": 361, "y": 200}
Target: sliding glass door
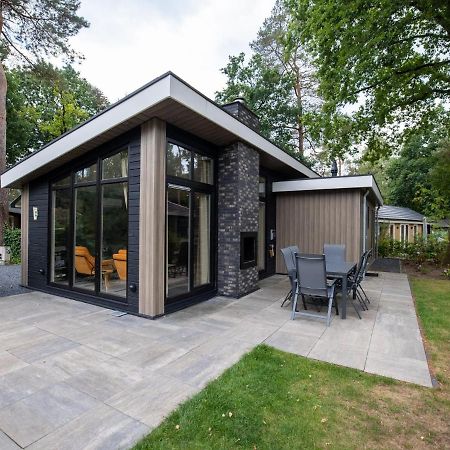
{"x": 189, "y": 230}
{"x": 89, "y": 228}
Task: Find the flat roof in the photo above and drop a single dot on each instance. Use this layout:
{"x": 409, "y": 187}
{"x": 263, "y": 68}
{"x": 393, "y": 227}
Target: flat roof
{"x": 169, "y": 98}
{"x": 331, "y": 183}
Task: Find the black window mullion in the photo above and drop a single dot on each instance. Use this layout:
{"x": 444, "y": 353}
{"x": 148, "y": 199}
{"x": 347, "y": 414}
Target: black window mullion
{"x": 71, "y": 250}
{"x": 191, "y": 240}
{"x": 98, "y": 232}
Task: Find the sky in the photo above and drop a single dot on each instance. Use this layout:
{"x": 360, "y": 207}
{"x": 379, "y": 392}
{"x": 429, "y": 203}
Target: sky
{"x": 134, "y": 41}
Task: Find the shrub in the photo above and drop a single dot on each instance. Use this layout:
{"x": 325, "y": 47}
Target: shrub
{"x": 421, "y": 250}
{"x": 11, "y": 238}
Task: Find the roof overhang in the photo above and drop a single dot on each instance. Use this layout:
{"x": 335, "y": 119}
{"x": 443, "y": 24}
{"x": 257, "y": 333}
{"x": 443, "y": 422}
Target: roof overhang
{"x": 362, "y": 182}
{"x": 169, "y": 98}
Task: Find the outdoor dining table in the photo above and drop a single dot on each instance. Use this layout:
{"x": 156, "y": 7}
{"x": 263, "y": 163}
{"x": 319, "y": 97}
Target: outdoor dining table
{"x": 341, "y": 269}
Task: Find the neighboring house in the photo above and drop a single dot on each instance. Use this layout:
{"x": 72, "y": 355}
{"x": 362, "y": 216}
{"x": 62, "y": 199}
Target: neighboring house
{"x": 14, "y": 209}
{"x": 402, "y": 224}
{"x": 166, "y": 198}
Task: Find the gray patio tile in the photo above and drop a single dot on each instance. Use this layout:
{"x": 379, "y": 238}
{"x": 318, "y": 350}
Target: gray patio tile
{"x": 154, "y": 356}
{"x": 186, "y": 338}
{"x": 19, "y": 335}
{"x": 394, "y": 346}
{"x": 35, "y": 416}
{"x": 400, "y": 368}
{"x": 100, "y": 428}
{"x": 305, "y": 326}
{"x": 251, "y": 331}
{"x": 107, "y": 379}
{"x": 152, "y": 400}
{"x": 354, "y": 337}
{"x": 197, "y": 369}
{"x": 42, "y": 348}
{"x": 340, "y": 353}
{"x": 23, "y": 382}
{"x": 112, "y": 343}
{"x": 218, "y": 347}
{"x": 292, "y": 342}
{"x": 9, "y": 363}
{"x": 73, "y": 361}
{"x": 271, "y": 315}
{"x": 7, "y": 444}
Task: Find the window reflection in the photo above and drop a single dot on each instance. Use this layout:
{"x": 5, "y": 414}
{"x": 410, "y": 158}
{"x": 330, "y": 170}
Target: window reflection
{"x": 178, "y": 161}
{"x": 203, "y": 169}
{"x": 114, "y": 238}
{"x": 60, "y": 235}
{"x": 86, "y": 174}
{"x": 177, "y": 241}
{"x": 115, "y": 166}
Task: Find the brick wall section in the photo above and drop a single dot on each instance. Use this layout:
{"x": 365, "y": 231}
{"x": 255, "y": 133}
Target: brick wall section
{"x": 237, "y": 212}
{"x": 244, "y": 114}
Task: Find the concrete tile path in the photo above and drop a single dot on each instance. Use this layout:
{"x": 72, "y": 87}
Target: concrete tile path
{"x": 73, "y": 376}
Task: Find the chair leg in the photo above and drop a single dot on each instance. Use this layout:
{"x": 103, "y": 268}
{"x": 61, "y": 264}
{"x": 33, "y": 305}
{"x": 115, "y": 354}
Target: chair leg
{"x": 287, "y": 298}
{"x": 336, "y": 306}
{"x": 294, "y": 305}
{"x": 304, "y": 302}
{"x": 356, "y": 309}
{"x": 364, "y": 292}
{"x": 330, "y": 305}
{"x": 362, "y": 301}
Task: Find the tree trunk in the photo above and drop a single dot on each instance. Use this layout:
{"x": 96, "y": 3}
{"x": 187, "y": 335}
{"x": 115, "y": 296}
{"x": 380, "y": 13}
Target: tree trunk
{"x": 3, "y": 192}
{"x": 301, "y": 138}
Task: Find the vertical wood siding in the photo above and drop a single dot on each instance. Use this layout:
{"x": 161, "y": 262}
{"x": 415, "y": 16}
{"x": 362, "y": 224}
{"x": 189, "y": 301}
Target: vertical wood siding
{"x": 311, "y": 219}
{"x": 152, "y": 215}
{"x": 24, "y": 233}
{"x": 38, "y": 234}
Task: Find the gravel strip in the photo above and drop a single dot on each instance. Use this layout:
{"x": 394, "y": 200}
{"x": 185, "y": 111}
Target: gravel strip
{"x": 10, "y": 280}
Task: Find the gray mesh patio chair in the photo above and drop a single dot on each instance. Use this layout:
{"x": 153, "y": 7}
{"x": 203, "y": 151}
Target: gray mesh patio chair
{"x": 312, "y": 283}
{"x": 359, "y": 277}
{"x": 334, "y": 252}
{"x": 289, "y": 260}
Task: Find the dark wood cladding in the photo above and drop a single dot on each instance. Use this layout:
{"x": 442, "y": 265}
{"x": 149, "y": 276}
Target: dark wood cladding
{"x": 39, "y": 245}
{"x": 38, "y": 234}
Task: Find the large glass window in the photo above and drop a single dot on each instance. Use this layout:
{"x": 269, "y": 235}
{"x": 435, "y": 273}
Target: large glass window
{"x": 114, "y": 238}
{"x": 85, "y": 233}
{"x": 94, "y": 257}
{"x": 178, "y": 161}
{"x": 201, "y": 237}
{"x": 189, "y": 210}
{"x": 203, "y": 169}
{"x": 177, "y": 241}
{"x": 60, "y": 244}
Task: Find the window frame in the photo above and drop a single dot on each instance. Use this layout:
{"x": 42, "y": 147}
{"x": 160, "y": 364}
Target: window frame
{"x": 98, "y": 183}
{"x": 205, "y": 188}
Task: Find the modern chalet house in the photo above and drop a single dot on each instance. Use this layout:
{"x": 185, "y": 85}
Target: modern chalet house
{"x": 167, "y": 198}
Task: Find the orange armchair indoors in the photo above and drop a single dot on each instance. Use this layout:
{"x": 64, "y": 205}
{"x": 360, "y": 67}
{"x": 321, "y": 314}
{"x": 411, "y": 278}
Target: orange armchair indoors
{"x": 85, "y": 262}
{"x": 120, "y": 261}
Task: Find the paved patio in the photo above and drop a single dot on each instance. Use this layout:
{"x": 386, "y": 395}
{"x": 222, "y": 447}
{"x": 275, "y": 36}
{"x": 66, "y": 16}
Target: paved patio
{"x": 73, "y": 376}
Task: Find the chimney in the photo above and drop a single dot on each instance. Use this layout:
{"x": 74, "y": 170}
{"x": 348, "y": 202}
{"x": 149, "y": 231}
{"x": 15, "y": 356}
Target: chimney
{"x": 334, "y": 168}
{"x": 240, "y": 110}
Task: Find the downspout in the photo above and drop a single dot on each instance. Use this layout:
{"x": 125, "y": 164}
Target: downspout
{"x": 365, "y": 221}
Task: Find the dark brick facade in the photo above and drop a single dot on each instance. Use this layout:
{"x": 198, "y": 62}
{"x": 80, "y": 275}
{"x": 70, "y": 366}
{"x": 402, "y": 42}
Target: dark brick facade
{"x": 237, "y": 212}
{"x": 239, "y": 110}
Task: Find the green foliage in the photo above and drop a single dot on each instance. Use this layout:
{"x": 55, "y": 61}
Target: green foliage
{"x": 386, "y": 59}
{"x": 432, "y": 249}
{"x": 409, "y": 175}
{"x": 34, "y": 28}
{"x": 279, "y": 85}
{"x": 11, "y": 238}
{"x": 44, "y": 102}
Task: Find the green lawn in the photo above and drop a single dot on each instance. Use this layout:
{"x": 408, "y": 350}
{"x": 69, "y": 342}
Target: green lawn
{"x": 275, "y": 400}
